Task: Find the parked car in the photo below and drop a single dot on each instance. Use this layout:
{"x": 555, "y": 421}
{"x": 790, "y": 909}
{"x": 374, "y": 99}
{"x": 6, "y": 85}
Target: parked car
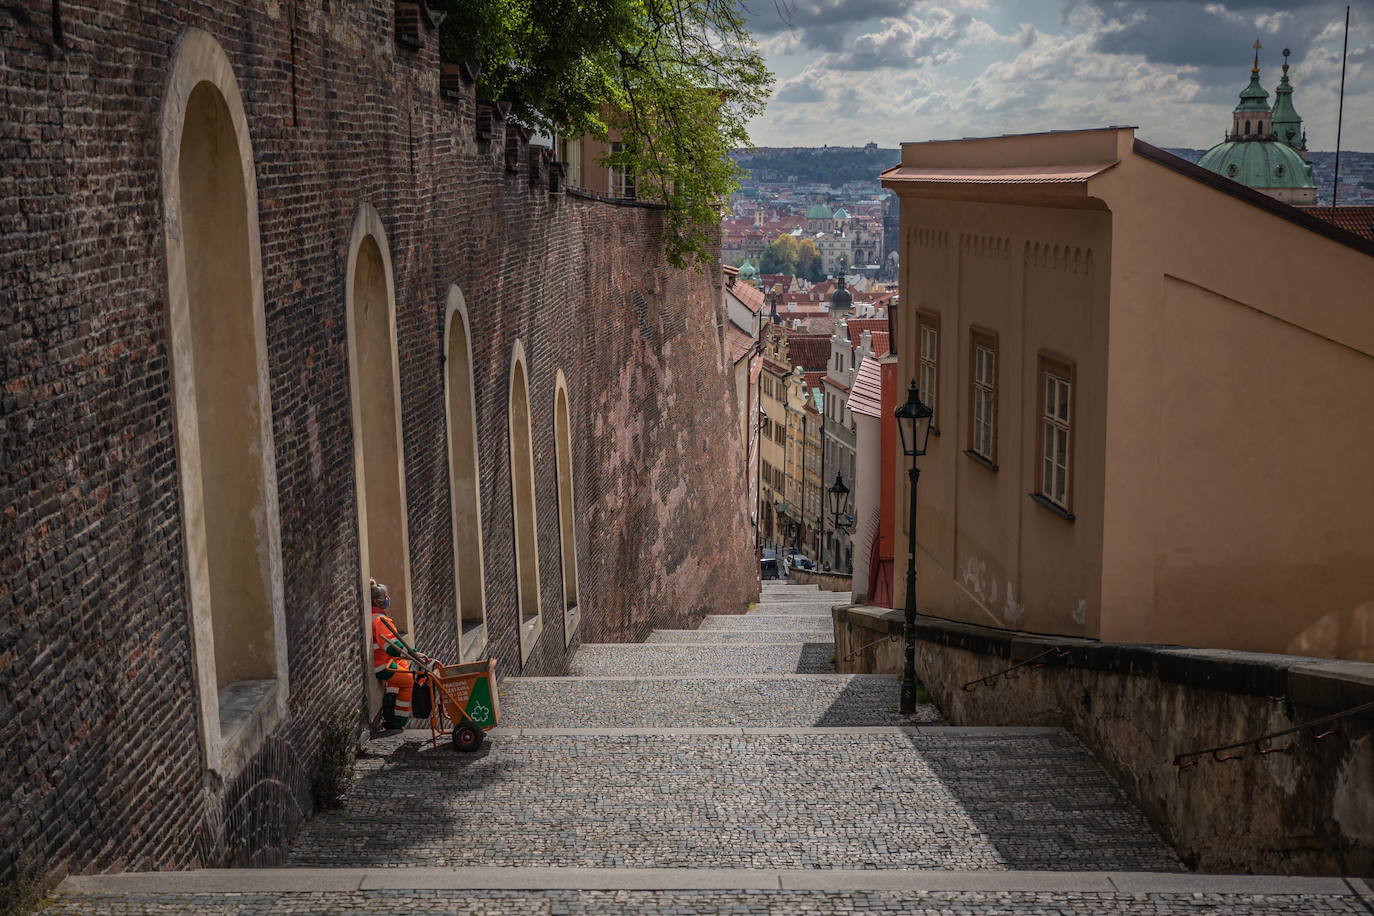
{"x": 768, "y": 564}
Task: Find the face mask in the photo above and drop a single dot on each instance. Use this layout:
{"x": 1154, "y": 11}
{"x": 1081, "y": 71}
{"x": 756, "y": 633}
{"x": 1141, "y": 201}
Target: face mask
{"x": 382, "y": 604}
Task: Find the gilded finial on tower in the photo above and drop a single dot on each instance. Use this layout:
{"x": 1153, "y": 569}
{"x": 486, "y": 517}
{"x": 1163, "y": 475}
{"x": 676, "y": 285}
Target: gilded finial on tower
{"x": 1255, "y": 67}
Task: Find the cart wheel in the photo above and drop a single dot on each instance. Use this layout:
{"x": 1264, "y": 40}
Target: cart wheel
{"x": 468, "y": 737}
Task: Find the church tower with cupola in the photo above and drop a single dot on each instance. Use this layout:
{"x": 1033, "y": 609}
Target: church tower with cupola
{"x": 1266, "y": 149}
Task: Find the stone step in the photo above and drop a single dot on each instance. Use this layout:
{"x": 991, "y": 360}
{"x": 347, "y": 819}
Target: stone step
{"x": 725, "y": 637}
{"x": 805, "y": 609}
{"x": 825, "y": 700}
{"x": 964, "y": 799}
{"x": 734, "y": 892}
{"x": 753, "y": 621}
{"x": 739, "y": 658}
{"x": 810, "y": 601}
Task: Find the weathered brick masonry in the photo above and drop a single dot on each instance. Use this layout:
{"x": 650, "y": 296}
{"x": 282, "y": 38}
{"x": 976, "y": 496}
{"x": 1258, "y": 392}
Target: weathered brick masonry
{"x": 102, "y": 761}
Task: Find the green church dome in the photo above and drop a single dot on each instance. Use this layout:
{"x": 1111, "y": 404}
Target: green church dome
{"x": 747, "y": 270}
{"x": 1259, "y": 164}
{"x": 819, "y": 211}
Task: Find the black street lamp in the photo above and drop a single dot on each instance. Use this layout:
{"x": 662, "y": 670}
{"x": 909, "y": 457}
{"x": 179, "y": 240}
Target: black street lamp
{"x": 913, "y": 422}
{"x": 839, "y": 498}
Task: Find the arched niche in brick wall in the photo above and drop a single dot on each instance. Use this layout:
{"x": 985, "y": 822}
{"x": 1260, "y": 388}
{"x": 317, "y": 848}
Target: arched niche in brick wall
{"x": 378, "y": 450}
{"x": 465, "y": 497}
{"x": 525, "y": 524}
{"x": 567, "y": 514}
{"x": 217, "y": 345}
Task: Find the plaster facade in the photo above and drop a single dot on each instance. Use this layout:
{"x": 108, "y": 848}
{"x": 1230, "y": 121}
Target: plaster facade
{"x": 1215, "y": 354}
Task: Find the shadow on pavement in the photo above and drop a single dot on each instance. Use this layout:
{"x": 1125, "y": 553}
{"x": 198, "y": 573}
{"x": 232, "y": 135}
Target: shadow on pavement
{"x": 816, "y": 658}
{"x": 1043, "y": 802}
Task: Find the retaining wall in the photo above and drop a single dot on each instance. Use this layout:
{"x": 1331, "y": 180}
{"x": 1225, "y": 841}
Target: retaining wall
{"x": 828, "y": 582}
{"x": 1306, "y": 811}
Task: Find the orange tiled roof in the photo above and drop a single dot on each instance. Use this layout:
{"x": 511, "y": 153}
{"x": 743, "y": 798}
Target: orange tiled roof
{"x": 1359, "y": 220}
{"x": 810, "y": 351}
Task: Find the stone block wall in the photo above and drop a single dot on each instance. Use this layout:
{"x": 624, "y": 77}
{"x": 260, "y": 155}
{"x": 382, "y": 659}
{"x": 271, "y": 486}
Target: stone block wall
{"x": 1309, "y": 810}
{"x": 828, "y": 582}
{"x": 102, "y": 763}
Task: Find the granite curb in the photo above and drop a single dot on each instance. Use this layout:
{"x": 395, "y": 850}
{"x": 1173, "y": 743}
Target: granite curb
{"x": 304, "y": 880}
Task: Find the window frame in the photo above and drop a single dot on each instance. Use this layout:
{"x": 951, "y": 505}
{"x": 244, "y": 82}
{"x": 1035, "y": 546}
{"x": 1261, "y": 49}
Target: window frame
{"x": 986, "y": 339}
{"x": 1053, "y": 366}
{"x": 626, "y": 177}
{"x": 928, "y": 319}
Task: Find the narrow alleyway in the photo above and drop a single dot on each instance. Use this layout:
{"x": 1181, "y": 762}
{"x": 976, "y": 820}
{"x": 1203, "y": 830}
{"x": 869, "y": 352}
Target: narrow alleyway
{"x": 722, "y": 770}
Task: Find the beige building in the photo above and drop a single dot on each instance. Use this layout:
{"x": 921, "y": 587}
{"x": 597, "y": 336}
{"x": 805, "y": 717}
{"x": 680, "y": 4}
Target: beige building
{"x": 1154, "y": 392}
{"x": 773, "y": 435}
{"x": 583, "y": 157}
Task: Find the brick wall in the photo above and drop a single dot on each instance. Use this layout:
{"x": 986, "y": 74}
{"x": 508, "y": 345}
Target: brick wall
{"x": 102, "y": 763}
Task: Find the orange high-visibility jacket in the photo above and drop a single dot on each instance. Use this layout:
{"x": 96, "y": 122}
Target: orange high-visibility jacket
{"x": 388, "y": 649}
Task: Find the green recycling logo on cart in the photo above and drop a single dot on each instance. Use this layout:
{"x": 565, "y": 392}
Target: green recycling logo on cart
{"x": 479, "y": 702}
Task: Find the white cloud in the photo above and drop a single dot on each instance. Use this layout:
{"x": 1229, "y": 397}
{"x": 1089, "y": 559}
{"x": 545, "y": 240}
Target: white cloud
{"x": 939, "y": 71}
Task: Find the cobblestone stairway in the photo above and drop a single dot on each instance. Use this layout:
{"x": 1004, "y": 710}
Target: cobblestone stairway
{"x": 722, "y": 770}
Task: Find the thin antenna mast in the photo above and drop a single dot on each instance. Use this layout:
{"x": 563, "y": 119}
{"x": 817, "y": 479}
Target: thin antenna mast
{"x": 1340, "y": 114}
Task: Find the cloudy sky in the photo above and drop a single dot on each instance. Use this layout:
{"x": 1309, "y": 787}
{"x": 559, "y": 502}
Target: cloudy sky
{"x": 851, "y": 71}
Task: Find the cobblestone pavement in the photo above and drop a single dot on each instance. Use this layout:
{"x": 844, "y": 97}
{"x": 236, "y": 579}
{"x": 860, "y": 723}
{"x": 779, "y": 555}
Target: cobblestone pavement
{"x": 788, "y": 608}
{"x": 819, "y": 800}
{"x": 644, "y": 658}
{"x": 722, "y": 903}
{"x": 720, "y": 637}
{"x": 817, "y": 791}
{"x": 836, "y": 700}
{"x": 771, "y": 622}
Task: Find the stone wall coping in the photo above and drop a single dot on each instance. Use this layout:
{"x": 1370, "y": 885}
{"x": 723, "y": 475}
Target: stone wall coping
{"x": 1328, "y": 684}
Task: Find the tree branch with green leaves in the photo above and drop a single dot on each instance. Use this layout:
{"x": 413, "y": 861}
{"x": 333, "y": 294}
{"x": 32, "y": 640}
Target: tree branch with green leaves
{"x": 677, "y": 80}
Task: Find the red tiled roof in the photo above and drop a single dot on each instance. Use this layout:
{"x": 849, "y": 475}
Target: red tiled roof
{"x": 741, "y": 344}
{"x": 810, "y": 351}
{"x": 857, "y": 326}
{"x": 813, "y": 379}
{"x": 866, "y": 397}
{"x": 749, "y": 294}
{"x": 1359, "y": 220}
{"x": 881, "y": 343}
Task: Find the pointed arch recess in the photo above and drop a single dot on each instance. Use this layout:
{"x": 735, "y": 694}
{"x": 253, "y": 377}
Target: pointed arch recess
{"x": 523, "y": 507}
{"x": 465, "y": 496}
{"x": 378, "y": 446}
{"x": 567, "y": 511}
{"x": 221, "y": 399}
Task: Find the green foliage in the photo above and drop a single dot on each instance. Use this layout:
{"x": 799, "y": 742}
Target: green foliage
{"x": 779, "y": 256}
{"x": 26, "y": 893}
{"x": 795, "y": 257}
{"x": 334, "y": 772}
{"x": 809, "y": 264}
{"x": 676, "y": 80}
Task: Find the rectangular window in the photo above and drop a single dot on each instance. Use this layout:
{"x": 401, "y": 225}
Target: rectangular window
{"x": 572, "y": 150}
{"x": 1056, "y": 441}
{"x": 622, "y": 179}
{"x": 983, "y": 402}
{"x": 929, "y": 372}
